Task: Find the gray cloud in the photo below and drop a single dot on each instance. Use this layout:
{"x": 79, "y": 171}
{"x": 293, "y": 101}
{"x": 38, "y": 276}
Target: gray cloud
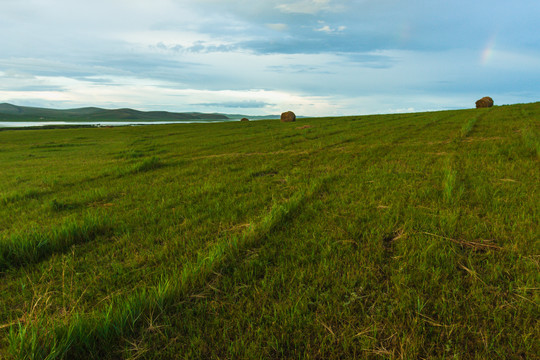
{"x": 32, "y": 87}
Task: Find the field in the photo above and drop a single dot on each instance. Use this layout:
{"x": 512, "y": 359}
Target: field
{"x": 402, "y": 236}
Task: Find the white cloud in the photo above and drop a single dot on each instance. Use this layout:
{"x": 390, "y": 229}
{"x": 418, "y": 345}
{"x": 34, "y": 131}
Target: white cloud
{"x": 128, "y": 92}
{"x": 327, "y": 29}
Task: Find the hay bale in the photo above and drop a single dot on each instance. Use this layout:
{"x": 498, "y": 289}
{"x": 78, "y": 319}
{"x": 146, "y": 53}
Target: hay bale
{"x": 484, "y": 102}
{"x": 244, "y": 119}
{"x": 288, "y": 116}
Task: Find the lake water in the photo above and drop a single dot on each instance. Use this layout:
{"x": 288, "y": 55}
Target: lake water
{"x": 107, "y": 123}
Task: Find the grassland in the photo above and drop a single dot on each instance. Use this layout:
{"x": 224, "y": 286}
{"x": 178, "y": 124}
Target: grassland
{"x": 373, "y": 237}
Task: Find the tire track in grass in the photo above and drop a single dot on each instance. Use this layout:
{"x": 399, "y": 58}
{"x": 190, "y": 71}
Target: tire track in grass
{"x": 22, "y": 195}
{"x": 531, "y": 141}
{"x": 420, "y": 128}
{"x": 469, "y": 126}
{"x": 97, "y": 332}
{"x": 452, "y": 184}
{"x": 23, "y": 249}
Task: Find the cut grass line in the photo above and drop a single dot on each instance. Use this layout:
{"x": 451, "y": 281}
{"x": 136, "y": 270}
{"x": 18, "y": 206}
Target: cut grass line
{"x": 147, "y": 165}
{"x": 328, "y": 328}
{"x": 449, "y": 184}
{"x": 343, "y": 149}
{"x": 472, "y": 273}
{"x": 433, "y": 322}
{"x": 471, "y": 244}
{"x": 531, "y": 141}
{"x": 292, "y": 152}
{"x": 142, "y": 166}
{"x": 26, "y": 248}
{"x": 22, "y": 195}
{"x": 468, "y": 126}
{"x": 364, "y": 332}
{"x": 95, "y": 333}
{"x": 482, "y": 139}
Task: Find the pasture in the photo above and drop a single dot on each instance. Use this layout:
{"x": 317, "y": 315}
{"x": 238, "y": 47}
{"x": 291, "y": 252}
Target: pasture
{"x": 401, "y": 236}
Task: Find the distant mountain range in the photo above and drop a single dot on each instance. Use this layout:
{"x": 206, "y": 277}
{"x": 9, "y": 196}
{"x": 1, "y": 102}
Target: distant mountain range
{"x": 9, "y": 112}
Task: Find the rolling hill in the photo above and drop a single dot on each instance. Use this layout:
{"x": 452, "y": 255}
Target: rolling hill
{"x": 9, "y": 112}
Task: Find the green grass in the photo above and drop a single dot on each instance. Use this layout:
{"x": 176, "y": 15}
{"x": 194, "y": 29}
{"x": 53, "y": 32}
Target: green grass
{"x": 20, "y": 195}
{"x": 468, "y": 126}
{"x": 389, "y": 236}
{"x": 32, "y": 246}
{"x": 81, "y": 336}
{"x": 147, "y": 165}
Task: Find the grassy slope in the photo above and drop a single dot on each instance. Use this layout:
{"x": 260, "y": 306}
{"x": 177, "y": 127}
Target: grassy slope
{"x": 9, "y": 112}
{"x": 396, "y": 236}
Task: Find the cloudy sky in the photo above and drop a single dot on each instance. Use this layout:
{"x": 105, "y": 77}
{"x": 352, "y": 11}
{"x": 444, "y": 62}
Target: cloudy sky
{"x": 316, "y": 57}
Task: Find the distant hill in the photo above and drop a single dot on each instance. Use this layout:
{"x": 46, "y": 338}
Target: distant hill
{"x": 10, "y": 112}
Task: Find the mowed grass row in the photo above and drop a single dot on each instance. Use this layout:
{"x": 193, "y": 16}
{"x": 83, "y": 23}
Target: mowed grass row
{"x": 33, "y": 246}
{"x": 379, "y": 269}
{"x": 93, "y": 333}
{"x": 422, "y": 244}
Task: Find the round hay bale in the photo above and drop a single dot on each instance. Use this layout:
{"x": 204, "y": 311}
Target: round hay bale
{"x": 484, "y": 102}
{"x": 288, "y": 116}
{"x": 244, "y": 119}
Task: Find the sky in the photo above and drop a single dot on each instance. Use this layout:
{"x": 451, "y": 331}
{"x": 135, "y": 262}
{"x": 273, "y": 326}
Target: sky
{"x": 258, "y": 57}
